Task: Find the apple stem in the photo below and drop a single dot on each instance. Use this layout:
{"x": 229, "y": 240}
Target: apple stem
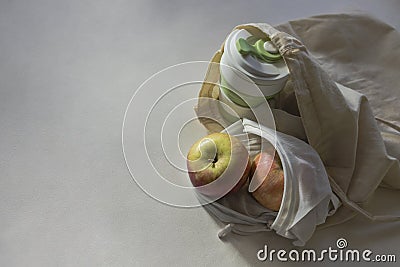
{"x": 215, "y": 159}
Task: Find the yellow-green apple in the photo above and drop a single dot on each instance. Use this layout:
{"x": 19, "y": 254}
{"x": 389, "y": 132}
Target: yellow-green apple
{"x": 217, "y": 164}
{"x": 267, "y": 172}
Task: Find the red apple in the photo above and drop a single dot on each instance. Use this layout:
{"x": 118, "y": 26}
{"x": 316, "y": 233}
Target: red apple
{"x": 267, "y": 171}
{"x": 217, "y": 164}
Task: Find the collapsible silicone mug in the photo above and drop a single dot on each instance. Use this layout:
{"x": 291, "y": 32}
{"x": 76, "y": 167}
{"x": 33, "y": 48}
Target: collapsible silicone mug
{"x": 248, "y": 60}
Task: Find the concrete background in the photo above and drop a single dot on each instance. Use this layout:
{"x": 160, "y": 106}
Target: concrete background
{"x": 67, "y": 72}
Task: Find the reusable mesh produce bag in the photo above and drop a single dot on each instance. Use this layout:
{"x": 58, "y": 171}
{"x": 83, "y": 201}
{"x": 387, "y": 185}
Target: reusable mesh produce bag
{"x": 337, "y": 123}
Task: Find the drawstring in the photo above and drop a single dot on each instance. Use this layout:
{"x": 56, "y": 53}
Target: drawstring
{"x": 355, "y": 207}
{"x": 226, "y": 230}
{"x": 244, "y": 229}
{"x": 392, "y": 125}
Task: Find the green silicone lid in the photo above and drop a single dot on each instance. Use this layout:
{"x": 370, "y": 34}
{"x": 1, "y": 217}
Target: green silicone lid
{"x": 257, "y": 49}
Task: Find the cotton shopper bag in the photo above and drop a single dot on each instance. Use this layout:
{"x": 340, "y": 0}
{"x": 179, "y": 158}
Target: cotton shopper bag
{"x": 338, "y": 123}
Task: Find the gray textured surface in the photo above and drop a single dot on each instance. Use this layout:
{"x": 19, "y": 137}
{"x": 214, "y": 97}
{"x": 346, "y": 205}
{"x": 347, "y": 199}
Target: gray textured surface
{"x": 67, "y": 72}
